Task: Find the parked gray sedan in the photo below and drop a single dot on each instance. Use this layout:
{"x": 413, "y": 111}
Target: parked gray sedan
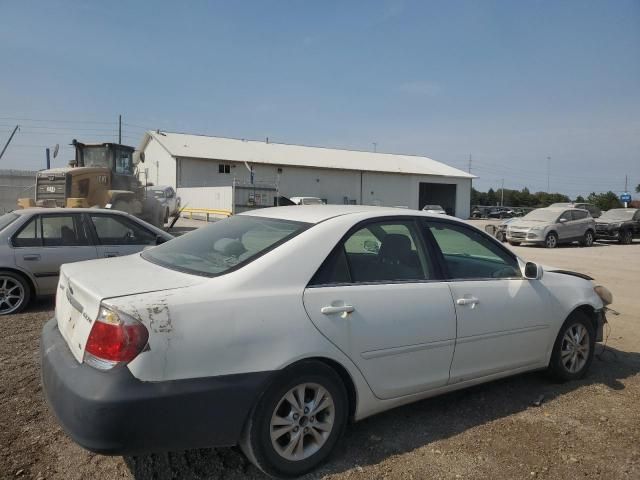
{"x": 34, "y": 242}
{"x": 552, "y": 226}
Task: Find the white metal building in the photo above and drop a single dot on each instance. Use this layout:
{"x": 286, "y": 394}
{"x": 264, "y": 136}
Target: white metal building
{"x": 203, "y": 170}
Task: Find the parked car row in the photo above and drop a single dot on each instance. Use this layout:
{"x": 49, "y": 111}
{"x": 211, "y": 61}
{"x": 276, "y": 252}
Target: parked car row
{"x": 557, "y": 225}
{"x": 273, "y": 328}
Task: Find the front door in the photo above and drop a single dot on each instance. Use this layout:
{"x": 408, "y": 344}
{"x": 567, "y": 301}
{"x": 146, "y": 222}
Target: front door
{"x": 48, "y": 241}
{"x": 503, "y": 318}
{"x": 377, "y": 297}
{"x": 117, "y": 235}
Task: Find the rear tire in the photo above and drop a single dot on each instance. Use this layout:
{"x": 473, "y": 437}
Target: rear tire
{"x": 573, "y": 349}
{"x": 626, "y": 237}
{"x": 551, "y": 241}
{"x": 15, "y": 292}
{"x": 587, "y": 241}
{"x": 288, "y": 436}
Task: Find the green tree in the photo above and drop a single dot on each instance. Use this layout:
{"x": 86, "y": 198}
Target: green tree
{"x": 604, "y": 201}
{"x": 491, "y": 197}
{"x": 638, "y": 188}
{"x": 580, "y": 199}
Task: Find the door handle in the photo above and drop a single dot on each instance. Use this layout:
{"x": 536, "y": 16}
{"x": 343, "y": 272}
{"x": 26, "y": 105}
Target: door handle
{"x": 110, "y": 254}
{"x": 338, "y": 309}
{"x": 31, "y": 257}
{"x": 473, "y": 301}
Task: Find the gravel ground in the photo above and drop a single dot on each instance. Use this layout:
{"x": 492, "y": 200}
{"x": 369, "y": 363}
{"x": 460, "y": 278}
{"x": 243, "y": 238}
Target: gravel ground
{"x": 585, "y": 429}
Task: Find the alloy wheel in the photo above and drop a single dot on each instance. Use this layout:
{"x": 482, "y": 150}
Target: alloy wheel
{"x": 302, "y": 421}
{"x": 551, "y": 241}
{"x": 588, "y": 239}
{"x": 11, "y": 294}
{"x": 574, "y": 351}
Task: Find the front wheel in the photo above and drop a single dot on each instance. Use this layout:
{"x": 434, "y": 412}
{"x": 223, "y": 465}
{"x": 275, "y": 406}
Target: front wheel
{"x": 573, "y": 350}
{"x": 587, "y": 241}
{"x": 551, "y": 241}
{"x": 298, "y": 421}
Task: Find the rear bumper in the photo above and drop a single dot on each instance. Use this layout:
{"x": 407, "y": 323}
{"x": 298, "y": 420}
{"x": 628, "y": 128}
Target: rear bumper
{"x": 114, "y": 413}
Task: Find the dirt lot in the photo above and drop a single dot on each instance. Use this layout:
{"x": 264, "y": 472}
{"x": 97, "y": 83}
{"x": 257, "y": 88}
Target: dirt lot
{"x": 586, "y": 429}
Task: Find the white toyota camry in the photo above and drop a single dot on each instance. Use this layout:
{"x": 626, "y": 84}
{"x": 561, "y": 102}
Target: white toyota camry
{"x": 272, "y": 329}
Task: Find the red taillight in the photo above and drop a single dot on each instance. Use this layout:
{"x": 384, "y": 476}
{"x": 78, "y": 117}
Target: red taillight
{"x": 116, "y": 342}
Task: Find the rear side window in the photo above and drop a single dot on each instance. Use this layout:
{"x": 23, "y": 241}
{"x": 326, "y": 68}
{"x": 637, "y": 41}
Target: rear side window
{"x": 52, "y": 231}
{"x": 380, "y": 252}
{"x": 580, "y": 215}
{"x": 225, "y": 245}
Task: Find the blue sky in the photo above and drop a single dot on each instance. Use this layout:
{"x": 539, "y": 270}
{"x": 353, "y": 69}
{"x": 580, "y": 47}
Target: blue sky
{"x": 508, "y": 82}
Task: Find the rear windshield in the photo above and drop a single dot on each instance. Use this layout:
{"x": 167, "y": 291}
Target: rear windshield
{"x": 6, "y": 220}
{"x": 225, "y": 245}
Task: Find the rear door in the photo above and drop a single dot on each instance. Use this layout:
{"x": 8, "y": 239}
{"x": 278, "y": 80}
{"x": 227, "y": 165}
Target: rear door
{"x": 49, "y": 240}
{"x": 117, "y": 235}
{"x": 379, "y": 298}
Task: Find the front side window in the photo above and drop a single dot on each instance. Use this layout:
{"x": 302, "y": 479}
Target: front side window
{"x": 29, "y": 236}
{"x": 568, "y": 216}
{"x": 225, "y": 245}
{"x": 379, "y": 252}
{"x": 116, "y": 230}
{"x": 469, "y": 254}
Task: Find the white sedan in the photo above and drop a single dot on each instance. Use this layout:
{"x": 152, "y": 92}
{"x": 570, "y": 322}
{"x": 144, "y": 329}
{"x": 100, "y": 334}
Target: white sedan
{"x": 273, "y": 328}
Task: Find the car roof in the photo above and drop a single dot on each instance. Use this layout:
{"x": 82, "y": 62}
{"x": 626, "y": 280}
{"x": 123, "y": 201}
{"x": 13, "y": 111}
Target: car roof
{"x": 33, "y": 210}
{"x": 319, "y": 213}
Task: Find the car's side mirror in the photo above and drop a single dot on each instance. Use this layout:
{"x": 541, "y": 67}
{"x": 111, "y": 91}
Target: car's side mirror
{"x": 562, "y": 220}
{"x": 160, "y": 239}
{"x": 532, "y": 271}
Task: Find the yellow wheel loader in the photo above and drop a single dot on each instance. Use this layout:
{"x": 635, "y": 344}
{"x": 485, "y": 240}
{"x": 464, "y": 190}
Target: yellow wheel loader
{"x": 101, "y": 175}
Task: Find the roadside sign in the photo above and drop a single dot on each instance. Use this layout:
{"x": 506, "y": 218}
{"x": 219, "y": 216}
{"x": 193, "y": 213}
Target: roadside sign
{"x": 625, "y": 197}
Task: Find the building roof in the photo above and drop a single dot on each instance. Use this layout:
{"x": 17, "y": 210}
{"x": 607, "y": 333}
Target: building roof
{"x": 252, "y": 151}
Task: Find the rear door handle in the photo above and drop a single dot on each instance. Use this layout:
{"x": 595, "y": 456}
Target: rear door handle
{"x": 337, "y": 309}
{"x": 473, "y": 301}
{"x": 31, "y": 257}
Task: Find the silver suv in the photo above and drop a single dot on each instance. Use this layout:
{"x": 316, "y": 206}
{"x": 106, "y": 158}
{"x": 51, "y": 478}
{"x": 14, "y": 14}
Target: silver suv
{"x": 552, "y": 226}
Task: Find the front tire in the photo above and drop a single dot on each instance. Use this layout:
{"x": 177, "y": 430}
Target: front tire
{"x": 573, "y": 350}
{"x": 298, "y": 421}
{"x": 551, "y": 241}
{"x": 15, "y": 293}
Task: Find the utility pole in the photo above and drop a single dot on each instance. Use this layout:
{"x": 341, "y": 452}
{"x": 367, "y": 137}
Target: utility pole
{"x": 120, "y": 129}
{"x": 502, "y": 194}
{"x": 626, "y": 181}
{"x": 48, "y": 159}
{"x": 548, "y": 174}
{"x": 9, "y": 141}
{"x": 469, "y": 163}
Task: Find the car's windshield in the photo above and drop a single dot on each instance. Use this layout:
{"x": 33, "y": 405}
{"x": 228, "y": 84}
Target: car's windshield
{"x": 97, "y": 156}
{"x": 542, "y": 215}
{"x": 560, "y": 205}
{"x": 621, "y": 214}
{"x": 158, "y": 193}
{"x": 6, "y": 220}
{"x": 224, "y": 245}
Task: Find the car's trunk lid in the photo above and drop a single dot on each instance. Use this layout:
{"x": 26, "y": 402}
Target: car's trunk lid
{"x": 84, "y": 285}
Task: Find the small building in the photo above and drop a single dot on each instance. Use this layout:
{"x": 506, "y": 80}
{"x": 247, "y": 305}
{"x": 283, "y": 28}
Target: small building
{"x": 15, "y": 184}
{"x": 205, "y": 170}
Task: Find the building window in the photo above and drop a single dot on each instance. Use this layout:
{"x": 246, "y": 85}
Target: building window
{"x": 222, "y": 168}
